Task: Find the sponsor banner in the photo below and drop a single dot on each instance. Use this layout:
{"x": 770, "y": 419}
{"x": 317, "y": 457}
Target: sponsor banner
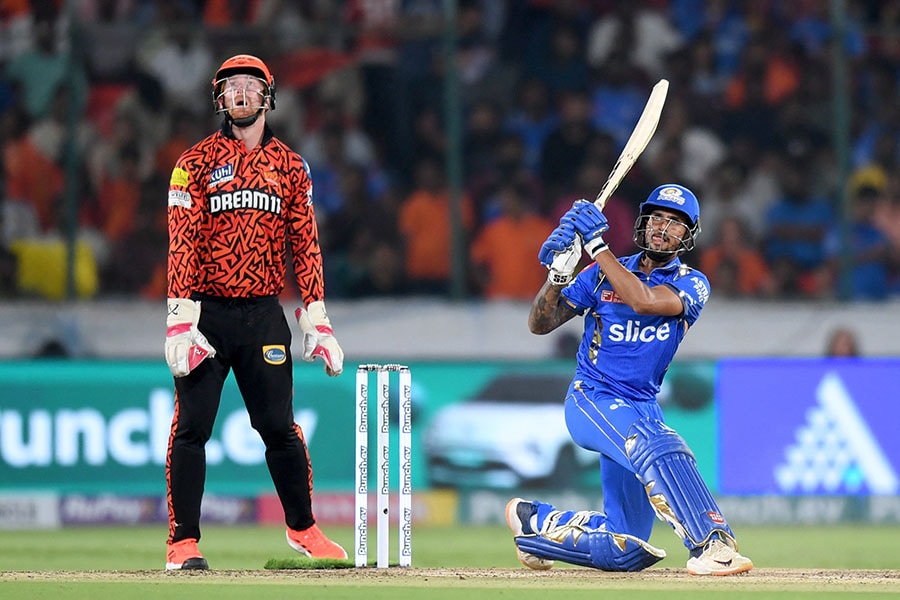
{"x": 91, "y": 427}
{"x": 111, "y": 509}
{"x": 808, "y": 427}
{"x": 810, "y": 510}
{"x": 29, "y": 511}
{"x": 438, "y": 507}
{"x": 488, "y": 507}
{"x": 96, "y": 427}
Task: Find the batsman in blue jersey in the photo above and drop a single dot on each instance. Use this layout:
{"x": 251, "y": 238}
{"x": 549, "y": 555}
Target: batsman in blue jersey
{"x": 636, "y": 311}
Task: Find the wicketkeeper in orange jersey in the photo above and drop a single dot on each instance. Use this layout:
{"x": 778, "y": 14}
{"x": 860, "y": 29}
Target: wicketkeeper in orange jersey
{"x": 236, "y": 199}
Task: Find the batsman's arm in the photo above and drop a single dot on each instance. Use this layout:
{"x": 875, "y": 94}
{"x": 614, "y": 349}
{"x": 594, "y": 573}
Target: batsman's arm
{"x": 643, "y": 299}
{"x": 547, "y": 312}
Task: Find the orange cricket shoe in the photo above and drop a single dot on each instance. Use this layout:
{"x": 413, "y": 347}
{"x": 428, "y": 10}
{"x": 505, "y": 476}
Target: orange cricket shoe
{"x": 313, "y": 543}
{"x": 185, "y": 556}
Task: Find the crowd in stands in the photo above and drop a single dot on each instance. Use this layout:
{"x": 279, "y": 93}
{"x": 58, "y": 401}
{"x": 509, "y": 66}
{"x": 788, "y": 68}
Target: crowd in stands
{"x": 97, "y": 104}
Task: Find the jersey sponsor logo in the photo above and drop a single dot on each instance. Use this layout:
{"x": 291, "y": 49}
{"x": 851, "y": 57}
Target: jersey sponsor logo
{"x": 221, "y": 175}
{"x": 274, "y": 355}
{"x": 632, "y": 331}
{"x": 701, "y": 289}
{"x": 239, "y": 199}
{"x": 609, "y": 296}
{"x": 179, "y": 177}
{"x": 179, "y": 198}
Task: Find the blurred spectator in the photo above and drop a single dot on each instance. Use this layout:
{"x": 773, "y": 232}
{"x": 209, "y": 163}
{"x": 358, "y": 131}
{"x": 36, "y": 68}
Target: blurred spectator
{"x": 734, "y": 265}
{"x": 326, "y": 172}
{"x": 482, "y": 77}
{"x": 333, "y": 119}
{"x": 887, "y": 219}
{"x": 430, "y": 138}
{"x": 795, "y": 228}
{"x": 120, "y": 196}
{"x": 226, "y": 13}
{"x": 699, "y": 84}
{"x": 179, "y": 56}
{"x": 640, "y": 31}
{"x": 34, "y": 182}
{"x": 864, "y": 252}
{"x": 104, "y": 156}
{"x": 481, "y": 138}
{"x": 42, "y": 71}
{"x": 503, "y": 259}
{"x": 562, "y": 68}
{"x": 363, "y": 226}
{"x": 767, "y": 62}
{"x": 532, "y": 119}
{"x": 424, "y": 225}
{"x": 144, "y": 102}
{"x": 376, "y": 29}
{"x": 701, "y": 150}
{"x": 15, "y": 28}
{"x": 718, "y": 30}
{"x": 842, "y": 343}
{"x": 508, "y": 168}
{"x": 566, "y": 146}
{"x": 728, "y": 193}
{"x": 137, "y": 263}
{"x": 617, "y": 99}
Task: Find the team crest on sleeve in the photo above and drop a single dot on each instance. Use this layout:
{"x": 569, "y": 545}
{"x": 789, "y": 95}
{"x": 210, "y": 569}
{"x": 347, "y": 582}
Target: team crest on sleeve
{"x": 179, "y": 177}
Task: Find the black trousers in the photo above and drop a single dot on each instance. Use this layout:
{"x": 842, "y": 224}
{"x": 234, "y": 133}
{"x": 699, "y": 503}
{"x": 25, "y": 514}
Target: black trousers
{"x": 253, "y": 340}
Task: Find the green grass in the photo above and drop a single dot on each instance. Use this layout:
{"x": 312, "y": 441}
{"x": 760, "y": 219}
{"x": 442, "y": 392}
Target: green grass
{"x": 131, "y": 560}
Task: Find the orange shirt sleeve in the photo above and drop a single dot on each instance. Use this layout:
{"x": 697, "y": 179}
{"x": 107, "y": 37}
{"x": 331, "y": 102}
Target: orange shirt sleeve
{"x": 303, "y": 234}
{"x": 184, "y": 214}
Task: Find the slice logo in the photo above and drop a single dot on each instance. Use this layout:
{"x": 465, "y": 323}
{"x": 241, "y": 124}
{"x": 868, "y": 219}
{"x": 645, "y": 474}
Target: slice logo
{"x": 835, "y": 451}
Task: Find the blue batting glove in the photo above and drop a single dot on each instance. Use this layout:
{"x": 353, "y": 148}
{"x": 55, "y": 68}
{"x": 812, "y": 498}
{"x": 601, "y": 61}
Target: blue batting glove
{"x": 571, "y": 214}
{"x": 559, "y": 240}
{"x": 590, "y": 224}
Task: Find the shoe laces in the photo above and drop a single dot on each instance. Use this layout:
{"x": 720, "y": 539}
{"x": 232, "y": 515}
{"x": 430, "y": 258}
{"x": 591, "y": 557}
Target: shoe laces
{"x": 718, "y": 551}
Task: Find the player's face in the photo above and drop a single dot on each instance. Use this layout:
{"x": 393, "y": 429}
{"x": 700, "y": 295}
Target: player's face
{"x": 665, "y": 230}
{"x": 242, "y": 95}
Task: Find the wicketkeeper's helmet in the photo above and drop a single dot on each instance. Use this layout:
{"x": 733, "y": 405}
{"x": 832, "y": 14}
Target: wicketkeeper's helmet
{"x": 243, "y": 64}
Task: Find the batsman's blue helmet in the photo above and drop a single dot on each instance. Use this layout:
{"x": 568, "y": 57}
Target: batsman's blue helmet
{"x": 672, "y": 196}
{"x": 676, "y": 198}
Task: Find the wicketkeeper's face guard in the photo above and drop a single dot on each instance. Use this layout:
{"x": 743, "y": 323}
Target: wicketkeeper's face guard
{"x": 241, "y": 96}
{"x": 243, "y": 89}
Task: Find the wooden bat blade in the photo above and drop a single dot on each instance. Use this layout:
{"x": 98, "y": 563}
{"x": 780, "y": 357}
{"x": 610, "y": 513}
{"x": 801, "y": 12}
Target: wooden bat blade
{"x": 637, "y": 142}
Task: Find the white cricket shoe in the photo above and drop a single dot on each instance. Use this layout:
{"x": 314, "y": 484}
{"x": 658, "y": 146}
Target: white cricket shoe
{"x": 718, "y": 558}
{"x": 518, "y": 517}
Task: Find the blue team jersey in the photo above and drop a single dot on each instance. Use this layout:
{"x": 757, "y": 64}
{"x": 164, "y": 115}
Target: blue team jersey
{"x": 627, "y": 352}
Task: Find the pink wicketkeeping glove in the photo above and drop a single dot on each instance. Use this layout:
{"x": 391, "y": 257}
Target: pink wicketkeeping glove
{"x": 185, "y": 346}
{"x": 318, "y": 337}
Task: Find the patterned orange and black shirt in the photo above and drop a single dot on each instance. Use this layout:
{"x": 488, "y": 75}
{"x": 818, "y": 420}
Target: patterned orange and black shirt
{"x": 231, "y": 214}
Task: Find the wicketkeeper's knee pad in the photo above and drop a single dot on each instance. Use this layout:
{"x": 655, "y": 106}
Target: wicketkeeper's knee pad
{"x": 666, "y": 466}
{"x": 592, "y": 548}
